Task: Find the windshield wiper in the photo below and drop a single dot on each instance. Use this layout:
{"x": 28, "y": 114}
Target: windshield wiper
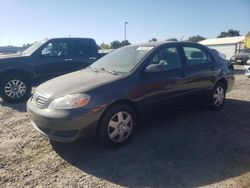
{"x": 110, "y": 71}
{"x": 93, "y": 69}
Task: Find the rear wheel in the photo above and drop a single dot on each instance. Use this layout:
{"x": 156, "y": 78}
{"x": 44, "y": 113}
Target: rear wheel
{"x": 217, "y": 97}
{"x": 117, "y": 126}
{"x": 15, "y": 88}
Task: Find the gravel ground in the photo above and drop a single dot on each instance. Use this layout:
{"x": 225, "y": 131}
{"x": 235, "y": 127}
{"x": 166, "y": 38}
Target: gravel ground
{"x": 192, "y": 148}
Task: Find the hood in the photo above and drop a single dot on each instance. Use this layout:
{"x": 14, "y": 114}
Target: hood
{"x": 12, "y": 56}
{"x": 76, "y": 82}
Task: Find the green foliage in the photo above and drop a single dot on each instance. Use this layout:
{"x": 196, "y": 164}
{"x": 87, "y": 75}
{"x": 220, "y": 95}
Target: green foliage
{"x": 172, "y": 39}
{"x": 248, "y": 34}
{"x": 229, "y": 33}
{"x": 105, "y": 46}
{"x": 25, "y": 46}
{"x": 153, "y": 40}
{"x": 117, "y": 44}
{"x": 196, "y": 38}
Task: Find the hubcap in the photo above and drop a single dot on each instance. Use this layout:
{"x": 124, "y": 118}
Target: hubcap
{"x": 218, "y": 96}
{"x": 15, "y": 89}
{"x": 120, "y": 126}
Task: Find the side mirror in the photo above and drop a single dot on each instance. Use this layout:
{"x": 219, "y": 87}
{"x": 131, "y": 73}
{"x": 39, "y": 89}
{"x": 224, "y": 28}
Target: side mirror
{"x": 155, "y": 68}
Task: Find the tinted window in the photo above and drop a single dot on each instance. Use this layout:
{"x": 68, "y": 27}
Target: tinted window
{"x": 82, "y": 48}
{"x": 168, "y": 57}
{"x": 55, "y": 49}
{"x": 195, "y": 56}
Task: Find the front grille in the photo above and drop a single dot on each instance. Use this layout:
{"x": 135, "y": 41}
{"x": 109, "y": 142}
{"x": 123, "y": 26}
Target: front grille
{"x": 39, "y": 100}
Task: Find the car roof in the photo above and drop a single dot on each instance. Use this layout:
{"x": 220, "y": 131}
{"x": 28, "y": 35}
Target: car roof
{"x": 156, "y": 44}
{"x": 70, "y": 38}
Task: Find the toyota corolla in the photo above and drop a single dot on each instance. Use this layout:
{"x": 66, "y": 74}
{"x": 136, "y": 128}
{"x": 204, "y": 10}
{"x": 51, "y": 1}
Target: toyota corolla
{"x": 112, "y": 95}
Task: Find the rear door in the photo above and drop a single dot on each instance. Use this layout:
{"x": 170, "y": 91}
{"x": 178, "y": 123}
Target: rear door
{"x": 201, "y": 71}
{"x": 165, "y": 90}
{"x": 84, "y": 53}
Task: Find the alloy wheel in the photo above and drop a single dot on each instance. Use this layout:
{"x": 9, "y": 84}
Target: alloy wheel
{"x": 15, "y": 89}
{"x": 219, "y": 96}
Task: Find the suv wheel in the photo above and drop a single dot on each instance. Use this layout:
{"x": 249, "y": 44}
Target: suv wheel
{"x": 15, "y": 88}
{"x": 117, "y": 126}
{"x": 217, "y": 98}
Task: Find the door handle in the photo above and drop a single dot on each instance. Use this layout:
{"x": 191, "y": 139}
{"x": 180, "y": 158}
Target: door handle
{"x": 92, "y": 58}
{"x": 68, "y": 60}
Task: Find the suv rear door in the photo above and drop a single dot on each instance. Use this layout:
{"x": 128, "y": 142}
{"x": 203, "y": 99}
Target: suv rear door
{"x": 84, "y": 53}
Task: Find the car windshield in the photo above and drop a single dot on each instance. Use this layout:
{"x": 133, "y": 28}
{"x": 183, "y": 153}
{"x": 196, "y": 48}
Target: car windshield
{"x": 122, "y": 60}
{"x": 33, "y": 47}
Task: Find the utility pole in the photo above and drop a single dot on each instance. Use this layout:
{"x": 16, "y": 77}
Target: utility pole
{"x": 125, "y": 30}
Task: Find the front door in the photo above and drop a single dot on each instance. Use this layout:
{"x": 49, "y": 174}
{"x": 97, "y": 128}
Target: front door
{"x": 54, "y": 59}
{"x": 165, "y": 90}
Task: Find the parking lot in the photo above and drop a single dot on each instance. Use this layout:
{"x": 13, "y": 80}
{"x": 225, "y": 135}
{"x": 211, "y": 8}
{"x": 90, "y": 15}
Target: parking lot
{"x": 192, "y": 148}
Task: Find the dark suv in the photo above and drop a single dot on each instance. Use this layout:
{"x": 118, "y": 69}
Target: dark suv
{"x": 133, "y": 82}
{"x": 43, "y": 60}
{"x": 242, "y": 57}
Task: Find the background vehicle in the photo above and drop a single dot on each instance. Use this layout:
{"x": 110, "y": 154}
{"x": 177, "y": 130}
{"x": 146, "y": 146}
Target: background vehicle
{"x": 242, "y": 57}
{"x": 43, "y": 60}
{"x": 133, "y": 82}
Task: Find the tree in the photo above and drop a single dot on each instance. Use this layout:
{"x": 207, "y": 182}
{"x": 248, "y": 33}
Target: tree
{"x": 153, "y": 40}
{"x": 125, "y": 43}
{"x": 172, "y": 39}
{"x": 248, "y": 34}
{"x": 196, "y": 38}
{"x": 25, "y": 46}
{"x": 229, "y": 33}
{"x": 117, "y": 44}
{"x": 105, "y": 46}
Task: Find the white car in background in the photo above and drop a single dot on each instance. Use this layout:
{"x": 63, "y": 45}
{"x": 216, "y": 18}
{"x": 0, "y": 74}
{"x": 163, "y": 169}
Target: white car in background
{"x": 247, "y": 69}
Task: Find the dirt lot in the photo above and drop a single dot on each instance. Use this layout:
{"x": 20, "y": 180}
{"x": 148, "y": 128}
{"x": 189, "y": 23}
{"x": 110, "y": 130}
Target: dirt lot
{"x": 193, "y": 148}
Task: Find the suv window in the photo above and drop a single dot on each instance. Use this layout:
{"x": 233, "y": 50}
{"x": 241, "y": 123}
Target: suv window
{"x": 168, "y": 57}
{"x": 55, "y": 49}
{"x": 195, "y": 56}
{"x": 82, "y": 48}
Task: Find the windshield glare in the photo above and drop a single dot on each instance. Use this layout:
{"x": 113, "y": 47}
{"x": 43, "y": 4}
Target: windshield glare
{"x": 33, "y": 47}
{"x": 122, "y": 60}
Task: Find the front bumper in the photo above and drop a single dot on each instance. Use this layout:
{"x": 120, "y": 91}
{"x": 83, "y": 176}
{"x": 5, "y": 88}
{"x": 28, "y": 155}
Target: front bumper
{"x": 64, "y": 125}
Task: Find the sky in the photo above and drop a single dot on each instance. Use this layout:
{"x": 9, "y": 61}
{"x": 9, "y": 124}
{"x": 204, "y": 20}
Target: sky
{"x": 27, "y": 21}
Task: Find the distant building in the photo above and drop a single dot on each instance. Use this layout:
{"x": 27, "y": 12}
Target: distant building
{"x": 247, "y": 42}
{"x": 228, "y": 46}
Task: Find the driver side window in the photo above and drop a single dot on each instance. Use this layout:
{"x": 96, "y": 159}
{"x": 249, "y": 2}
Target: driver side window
{"x": 168, "y": 57}
{"x": 55, "y": 49}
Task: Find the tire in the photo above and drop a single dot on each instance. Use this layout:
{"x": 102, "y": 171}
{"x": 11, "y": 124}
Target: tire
{"x": 15, "y": 88}
{"x": 117, "y": 126}
{"x": 217, "y": 97}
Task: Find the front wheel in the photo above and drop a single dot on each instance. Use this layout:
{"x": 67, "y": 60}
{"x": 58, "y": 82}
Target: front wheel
{"x": 217, "y": 97}
{"x": 15, "y": 88}
{"x": 117, "y": 126}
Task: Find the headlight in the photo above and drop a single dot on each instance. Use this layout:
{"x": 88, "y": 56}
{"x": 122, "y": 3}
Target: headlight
{"x": 70, "y": 102}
